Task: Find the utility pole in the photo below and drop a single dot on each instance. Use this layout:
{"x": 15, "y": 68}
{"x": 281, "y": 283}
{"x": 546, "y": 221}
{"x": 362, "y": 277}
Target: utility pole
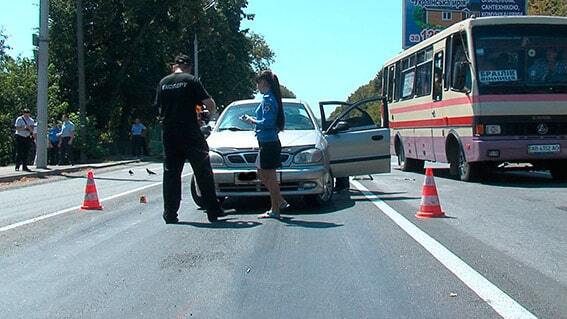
{"x": 42, "y": 84}
{"x": 81, "y": 74}
{"x": 196, "y": 54}
{"x": 208, "y": 4}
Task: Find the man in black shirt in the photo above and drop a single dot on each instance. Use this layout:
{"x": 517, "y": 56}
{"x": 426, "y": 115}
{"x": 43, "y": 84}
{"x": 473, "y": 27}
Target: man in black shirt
{"x": 176, "y": 97}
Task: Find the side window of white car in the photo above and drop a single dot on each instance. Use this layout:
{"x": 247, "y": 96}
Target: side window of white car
{"x": 363, "y": 117}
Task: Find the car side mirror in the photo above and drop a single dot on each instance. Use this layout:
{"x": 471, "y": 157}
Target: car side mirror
{"x": 341, "y": 126}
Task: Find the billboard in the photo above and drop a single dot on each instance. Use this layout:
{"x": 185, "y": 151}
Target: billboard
{"x": 424, "y": 18}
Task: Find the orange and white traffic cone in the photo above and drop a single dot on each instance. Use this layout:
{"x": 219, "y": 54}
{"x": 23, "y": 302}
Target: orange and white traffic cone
{"x": 430, "y": 206}
{"x": 91, "y": 197}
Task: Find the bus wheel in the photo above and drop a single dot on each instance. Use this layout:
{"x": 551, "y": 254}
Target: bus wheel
{"x": 408, "y": 164}
{"x": 467, "y": 172}
{"x": 558, "y": 171}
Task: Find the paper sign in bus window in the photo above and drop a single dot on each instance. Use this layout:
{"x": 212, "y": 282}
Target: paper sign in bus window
{"x": 498, "y": 76}
{"x": 408, "y": 84}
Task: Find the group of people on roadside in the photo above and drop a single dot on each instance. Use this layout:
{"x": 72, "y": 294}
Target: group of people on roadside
{"x": 60, "y": 140}
{"x": 176, "y": 97}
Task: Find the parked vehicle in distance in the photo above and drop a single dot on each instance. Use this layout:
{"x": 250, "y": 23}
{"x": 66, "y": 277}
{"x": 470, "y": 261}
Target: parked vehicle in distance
{"x": 351, "y": 144}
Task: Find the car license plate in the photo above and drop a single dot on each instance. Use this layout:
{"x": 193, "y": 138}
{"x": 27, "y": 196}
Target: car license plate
{"x": 247, "y": 178}
{"x": 543, "y": 149}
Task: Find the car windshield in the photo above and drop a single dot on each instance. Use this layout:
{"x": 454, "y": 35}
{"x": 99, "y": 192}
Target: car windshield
{"x": 296, "y": 117}
{"x": 521, "y": 59}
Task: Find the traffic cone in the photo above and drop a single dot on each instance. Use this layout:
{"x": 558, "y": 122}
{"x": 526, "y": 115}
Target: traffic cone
{"x": 143, "y": 199}
{"x": 430, "y": 206}
{"x": 91, "y": 198}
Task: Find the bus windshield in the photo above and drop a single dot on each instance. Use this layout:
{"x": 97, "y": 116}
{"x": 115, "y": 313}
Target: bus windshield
{"x": 521, "y": 59}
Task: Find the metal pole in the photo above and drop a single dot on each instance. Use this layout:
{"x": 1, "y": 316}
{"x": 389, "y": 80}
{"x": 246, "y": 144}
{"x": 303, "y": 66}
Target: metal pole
{"x": 42, "y": 83}
{"x": 81, "y": 74}
{"x": 196, "y": 54}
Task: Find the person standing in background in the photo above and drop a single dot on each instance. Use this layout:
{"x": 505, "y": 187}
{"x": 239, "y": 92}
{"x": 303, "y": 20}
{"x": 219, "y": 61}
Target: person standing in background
{"x": 24, "y": 134}
{"x": 138, "y": 132}
{"x": 66, "y": 137}
{"x": 53, "y": 146}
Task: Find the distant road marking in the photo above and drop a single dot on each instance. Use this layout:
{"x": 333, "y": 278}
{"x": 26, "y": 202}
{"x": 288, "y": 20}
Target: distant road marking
{"x": 492, "y": 295}
{"x": 67, "y": 210}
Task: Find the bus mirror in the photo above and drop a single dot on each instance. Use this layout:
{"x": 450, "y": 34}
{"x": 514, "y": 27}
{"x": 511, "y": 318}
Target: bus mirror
{"x": 460, "y": 76}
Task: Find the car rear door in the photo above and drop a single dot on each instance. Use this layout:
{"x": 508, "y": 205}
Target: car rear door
{"x": 358, "y": 142}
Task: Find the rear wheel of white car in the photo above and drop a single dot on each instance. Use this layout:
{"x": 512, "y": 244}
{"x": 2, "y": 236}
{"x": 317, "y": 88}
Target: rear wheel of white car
{"x": 327, "y": 194}
{"x": 197, "y": 197}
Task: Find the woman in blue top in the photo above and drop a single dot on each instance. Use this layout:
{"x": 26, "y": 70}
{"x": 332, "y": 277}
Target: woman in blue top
{"x": 269, "y": 122}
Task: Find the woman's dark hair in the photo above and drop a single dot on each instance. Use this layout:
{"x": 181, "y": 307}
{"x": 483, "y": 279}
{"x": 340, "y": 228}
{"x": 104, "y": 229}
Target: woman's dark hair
{"x": 274, "y": 84}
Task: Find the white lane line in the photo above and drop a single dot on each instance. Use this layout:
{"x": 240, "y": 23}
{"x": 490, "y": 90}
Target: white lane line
{"x": 492, "y": 295}
{"x": 67, "y": 210}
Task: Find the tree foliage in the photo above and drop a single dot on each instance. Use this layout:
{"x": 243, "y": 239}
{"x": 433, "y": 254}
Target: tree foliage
{"x": 128, "y": 47}
{"x": 548, "y": 7}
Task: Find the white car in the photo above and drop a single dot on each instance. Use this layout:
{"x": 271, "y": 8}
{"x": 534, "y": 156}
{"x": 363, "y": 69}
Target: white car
{"x": 348, "y": 143}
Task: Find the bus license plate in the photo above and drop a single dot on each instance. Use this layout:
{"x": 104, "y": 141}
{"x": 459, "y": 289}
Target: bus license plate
{"x": 543, "y": 149}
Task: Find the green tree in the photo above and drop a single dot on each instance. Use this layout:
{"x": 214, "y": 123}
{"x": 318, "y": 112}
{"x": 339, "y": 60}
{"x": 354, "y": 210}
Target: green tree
{"x": 371, "y": 89}
{"x": 128, "y": 45}
{"x": 287, "y": 93}
{"x": 547, "y": 7}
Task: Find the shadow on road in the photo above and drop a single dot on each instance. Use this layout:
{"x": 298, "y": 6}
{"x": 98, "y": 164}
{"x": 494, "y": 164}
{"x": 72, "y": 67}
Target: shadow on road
{"x": 227, "y": 223}
{"x": 509, "y": 177}
{"x": 292, "y": 222}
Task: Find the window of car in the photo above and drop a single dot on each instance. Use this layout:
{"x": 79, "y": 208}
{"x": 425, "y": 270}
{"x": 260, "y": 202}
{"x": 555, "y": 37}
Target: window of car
{"x": 296, "y": 117}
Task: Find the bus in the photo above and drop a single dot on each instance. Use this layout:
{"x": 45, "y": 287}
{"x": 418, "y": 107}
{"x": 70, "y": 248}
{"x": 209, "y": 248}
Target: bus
{"x": 480, "y": 94}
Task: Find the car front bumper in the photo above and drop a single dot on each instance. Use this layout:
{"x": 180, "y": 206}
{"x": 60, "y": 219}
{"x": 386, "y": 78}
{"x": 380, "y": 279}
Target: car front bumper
{"x": 293, "y": 181}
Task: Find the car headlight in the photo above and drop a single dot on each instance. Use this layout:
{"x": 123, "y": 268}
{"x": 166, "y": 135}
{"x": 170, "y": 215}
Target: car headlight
{"x": 216, "y": 159}
{"x": 310, "y": 156}
{"x": 493, "y": 129}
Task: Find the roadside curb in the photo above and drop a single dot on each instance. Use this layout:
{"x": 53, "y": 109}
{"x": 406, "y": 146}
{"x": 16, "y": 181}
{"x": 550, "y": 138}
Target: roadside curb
{"x": 58, "y": 171}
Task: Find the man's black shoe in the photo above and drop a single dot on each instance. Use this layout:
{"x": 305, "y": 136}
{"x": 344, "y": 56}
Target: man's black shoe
{"x": 27, "y": 169}
{"x": 213, "y": 216}
{"x": 171, "y": 221}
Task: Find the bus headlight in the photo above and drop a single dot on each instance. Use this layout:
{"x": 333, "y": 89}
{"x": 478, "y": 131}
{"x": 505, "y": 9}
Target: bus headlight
{"x": 216, "y": 159}
{"x": 310, "y": 156}
{"x": 493, "y": 129}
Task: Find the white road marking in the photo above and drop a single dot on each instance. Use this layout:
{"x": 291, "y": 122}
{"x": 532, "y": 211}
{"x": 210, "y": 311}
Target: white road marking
{"x": 492, "y": 295}
{"x": 67, "y": 210}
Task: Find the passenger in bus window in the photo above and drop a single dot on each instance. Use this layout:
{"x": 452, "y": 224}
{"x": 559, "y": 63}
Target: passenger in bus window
{"x": 548, "y": 69}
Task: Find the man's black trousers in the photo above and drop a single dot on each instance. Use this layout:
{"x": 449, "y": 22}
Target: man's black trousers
{"x": 23, "y": 145}
{"x": 181, "y": 145}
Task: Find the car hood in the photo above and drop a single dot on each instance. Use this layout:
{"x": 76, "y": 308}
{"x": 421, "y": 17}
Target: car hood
{"x": 227, "y": 141}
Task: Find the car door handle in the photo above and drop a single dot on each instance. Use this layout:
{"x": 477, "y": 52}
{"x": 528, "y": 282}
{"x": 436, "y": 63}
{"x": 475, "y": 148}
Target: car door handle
{"x": 377, "y": 137}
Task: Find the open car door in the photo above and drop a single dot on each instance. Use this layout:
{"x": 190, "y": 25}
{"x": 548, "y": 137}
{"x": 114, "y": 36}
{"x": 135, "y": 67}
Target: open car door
{"x": 358, "y": 137}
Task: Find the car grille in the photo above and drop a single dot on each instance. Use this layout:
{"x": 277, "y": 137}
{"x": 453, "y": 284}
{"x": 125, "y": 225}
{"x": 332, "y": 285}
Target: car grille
{"x": 231, "y": 188}
{"x": 247, "y": 159}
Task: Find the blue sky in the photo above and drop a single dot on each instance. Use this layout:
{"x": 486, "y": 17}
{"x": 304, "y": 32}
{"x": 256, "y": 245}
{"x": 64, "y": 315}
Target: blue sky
{"x": 324, "y": 49}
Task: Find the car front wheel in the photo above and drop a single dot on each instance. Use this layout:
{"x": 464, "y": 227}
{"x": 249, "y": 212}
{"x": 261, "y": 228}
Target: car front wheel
{"x": 325, "y": 196}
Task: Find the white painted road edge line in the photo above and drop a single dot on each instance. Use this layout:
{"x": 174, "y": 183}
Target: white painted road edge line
{"x": 492, "y": 295}
{"x": 67, "y": 210}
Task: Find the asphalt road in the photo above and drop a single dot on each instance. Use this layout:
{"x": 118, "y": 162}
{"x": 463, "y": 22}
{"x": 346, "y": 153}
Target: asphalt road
{"x": 501, "y": 252}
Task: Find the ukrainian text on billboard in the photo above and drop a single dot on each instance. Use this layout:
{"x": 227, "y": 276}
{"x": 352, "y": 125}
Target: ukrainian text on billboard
{"x": 425, "y": 18}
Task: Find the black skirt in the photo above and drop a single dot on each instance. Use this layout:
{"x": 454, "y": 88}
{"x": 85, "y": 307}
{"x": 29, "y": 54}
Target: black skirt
{"x": 269, "y": 156}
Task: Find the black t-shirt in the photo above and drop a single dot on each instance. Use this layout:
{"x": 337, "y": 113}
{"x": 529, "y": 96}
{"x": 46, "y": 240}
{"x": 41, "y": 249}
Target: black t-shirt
{"x": 176, "y": 97}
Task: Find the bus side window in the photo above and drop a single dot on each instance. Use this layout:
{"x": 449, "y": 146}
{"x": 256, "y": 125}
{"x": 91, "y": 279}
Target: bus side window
{"x": 448, "y": 48}
{"x": 438, "y": 77}
{"x": 397, "y": 83}
{"x": 390, "y": 88}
